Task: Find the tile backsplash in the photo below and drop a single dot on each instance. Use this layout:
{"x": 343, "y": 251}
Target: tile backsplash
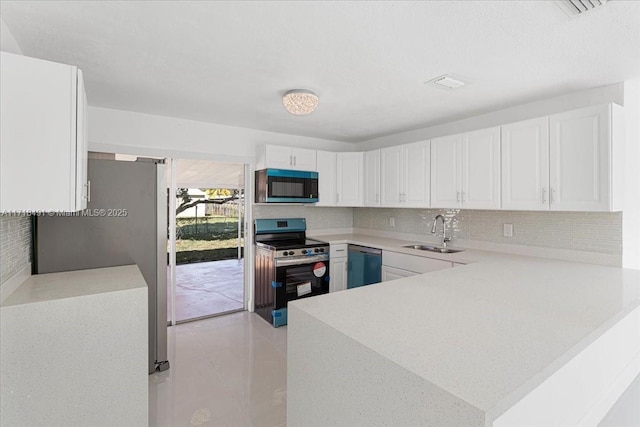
{"x": 15, "y": 245}
{"x": 318, "y": 218}
{"x": 582, "y": 231}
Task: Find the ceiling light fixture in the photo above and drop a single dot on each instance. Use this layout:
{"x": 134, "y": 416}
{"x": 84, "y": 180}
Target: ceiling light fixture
{"x": 300, "y": 101}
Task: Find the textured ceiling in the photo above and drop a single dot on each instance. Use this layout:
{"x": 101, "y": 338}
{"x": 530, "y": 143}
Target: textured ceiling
{"x": 229, "y": 62}
{"x": 207, "y": 174}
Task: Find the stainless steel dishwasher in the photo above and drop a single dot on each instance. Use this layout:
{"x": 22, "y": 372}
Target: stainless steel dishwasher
{"x": 364, "y": 266}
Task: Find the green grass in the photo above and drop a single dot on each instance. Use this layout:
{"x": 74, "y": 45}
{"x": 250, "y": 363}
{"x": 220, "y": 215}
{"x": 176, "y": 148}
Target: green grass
{"x": 212, "y": 238}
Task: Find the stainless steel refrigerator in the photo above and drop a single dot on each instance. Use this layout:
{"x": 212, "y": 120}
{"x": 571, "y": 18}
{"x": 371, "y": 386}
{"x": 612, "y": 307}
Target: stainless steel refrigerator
{"x": 125, "y": 223}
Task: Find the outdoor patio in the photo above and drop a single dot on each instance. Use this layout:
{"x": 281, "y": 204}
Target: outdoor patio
{"x": 207, "y": 288}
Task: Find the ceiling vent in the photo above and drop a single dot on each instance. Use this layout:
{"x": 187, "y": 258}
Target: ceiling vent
{"x": 447, "y": 82}
{"x": 578, "y": 7}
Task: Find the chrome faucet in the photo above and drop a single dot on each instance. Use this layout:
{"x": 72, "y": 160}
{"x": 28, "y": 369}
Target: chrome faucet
{"x": 445, "y": 239}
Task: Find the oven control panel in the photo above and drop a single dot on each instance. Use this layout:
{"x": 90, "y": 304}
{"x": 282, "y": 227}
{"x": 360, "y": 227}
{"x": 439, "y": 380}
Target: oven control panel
{"x": 302, "y": 252}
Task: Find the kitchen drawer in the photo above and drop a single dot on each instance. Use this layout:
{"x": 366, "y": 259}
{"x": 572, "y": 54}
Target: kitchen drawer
{"x": 337, "y": 251}
{"x": 413, "y": 263}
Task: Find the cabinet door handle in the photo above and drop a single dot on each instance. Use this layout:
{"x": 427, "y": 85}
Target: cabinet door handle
{"x": 462, "y": 193}
{"x": 551, "y": 198}
{"x": 295, "y": 160}
{"x": 88, "y": 191}
{"x": 544, "y": 190}
{"x": 457, "y": 196}
{"x": 290, "y": 160}
{"x": 377, "y": 197}
{"x": 337, "y": 197}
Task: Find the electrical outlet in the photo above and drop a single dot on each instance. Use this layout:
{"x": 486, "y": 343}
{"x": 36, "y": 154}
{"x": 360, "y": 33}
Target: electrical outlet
{"x": 507, "y": 230}
{"x": 392, "y": 221}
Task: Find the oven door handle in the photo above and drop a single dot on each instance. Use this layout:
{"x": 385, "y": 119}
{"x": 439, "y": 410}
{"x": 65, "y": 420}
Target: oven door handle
{"x": 301, "y": 261}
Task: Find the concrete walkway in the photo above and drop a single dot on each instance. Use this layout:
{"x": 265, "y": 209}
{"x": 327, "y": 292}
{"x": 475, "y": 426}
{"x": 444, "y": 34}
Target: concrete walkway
{"x": 207, "y": 288}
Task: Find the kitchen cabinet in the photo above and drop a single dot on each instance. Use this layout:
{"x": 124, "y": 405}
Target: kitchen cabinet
{"x": 350, "y": 179}
{"x": 279, "y": 157}
{"x": 396, "y": 265}
{"x": 416, "y": 174}
{"x": 405, "y": 175}
{"x": 446, "y": 171}
{"x": 338, "y": 267}
{"x": 465, "y": 170}
{"x": 392, "y": 273}
{"x": 525, "y": 165}
{"x": 372, "y": 178}
{"x": 327, "y": 178}
{"x": 586, "y": 159}
{"x": 43, "y": 137}
{"x": 391, "y": 171}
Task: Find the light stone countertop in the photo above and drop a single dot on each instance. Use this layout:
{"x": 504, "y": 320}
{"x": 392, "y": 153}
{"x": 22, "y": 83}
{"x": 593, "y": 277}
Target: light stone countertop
{"x": 71, "y": 284}
{"x": 488, "y": 332}
{"x": 75, "y": 349}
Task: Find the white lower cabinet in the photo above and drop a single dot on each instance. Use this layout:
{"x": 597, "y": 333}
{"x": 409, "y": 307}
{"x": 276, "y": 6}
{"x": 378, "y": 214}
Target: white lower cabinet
{"x": 396, "y": 265}
{"x": 338, "y": 267}
{"x": 392, "y": 273}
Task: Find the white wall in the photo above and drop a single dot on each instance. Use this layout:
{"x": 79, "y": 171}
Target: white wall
{"x": 595, "y": 96}
{"x": 7, "y": 41}
{"x": 15, "y": 230}
{"x": 137, "y": 133}
{"x": 631, "y": 214}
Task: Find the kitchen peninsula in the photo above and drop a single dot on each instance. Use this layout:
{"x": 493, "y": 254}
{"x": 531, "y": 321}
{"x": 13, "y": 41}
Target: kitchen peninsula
{"x": 506, "y": 340}
{"x": 73, "y": 350}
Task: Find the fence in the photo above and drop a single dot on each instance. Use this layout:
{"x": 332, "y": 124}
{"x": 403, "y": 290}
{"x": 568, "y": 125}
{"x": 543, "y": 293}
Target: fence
{"x": 228, "y": 209}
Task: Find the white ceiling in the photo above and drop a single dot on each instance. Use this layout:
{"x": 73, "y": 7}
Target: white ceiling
{"x": 207, "y": 174}
{"x": 229, "y": 62}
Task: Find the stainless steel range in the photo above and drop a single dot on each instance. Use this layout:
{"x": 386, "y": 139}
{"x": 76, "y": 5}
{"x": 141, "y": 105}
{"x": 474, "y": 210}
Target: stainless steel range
{"x": 288, "y": 266}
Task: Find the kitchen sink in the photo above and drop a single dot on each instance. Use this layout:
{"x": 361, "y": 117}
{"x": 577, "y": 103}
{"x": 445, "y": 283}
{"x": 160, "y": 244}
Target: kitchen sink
{"x": 435, "y": 249}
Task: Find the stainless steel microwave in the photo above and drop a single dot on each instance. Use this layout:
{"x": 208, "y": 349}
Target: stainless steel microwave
{"x": 286, "y": 186}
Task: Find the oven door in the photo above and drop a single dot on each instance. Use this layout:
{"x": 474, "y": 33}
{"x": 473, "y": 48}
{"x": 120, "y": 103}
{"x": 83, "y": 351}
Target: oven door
{"x": 301, "y": 281}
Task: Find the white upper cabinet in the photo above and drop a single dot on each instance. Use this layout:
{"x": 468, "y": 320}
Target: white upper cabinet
{"x": 372, "y": 178}
{"x": 481, "y": 169}
{"x": 279, "y": 157}
{"x": 405, "y": 175}
{"x": 465, "y": 170}
{"x": 416, "y": 176}
{"x": 43, "y": 135}
{"x": 446, "y": 172}
{"x": 391, "y": 172}
{"x": 586, "y": 159}
{"x": 327, "y": 176}
{"x": 350, "y": 179}
{"x": 525, "y": 165}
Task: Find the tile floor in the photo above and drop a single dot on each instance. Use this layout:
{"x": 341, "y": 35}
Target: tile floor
{"x": 225, "y": 371}
{"x": 231, "y": 371}
{"x": 206, "y": 288}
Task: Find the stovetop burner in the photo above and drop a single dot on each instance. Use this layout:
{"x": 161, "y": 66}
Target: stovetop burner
{"x": 295, "y": 244}
{"x": 287, "y": 238}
